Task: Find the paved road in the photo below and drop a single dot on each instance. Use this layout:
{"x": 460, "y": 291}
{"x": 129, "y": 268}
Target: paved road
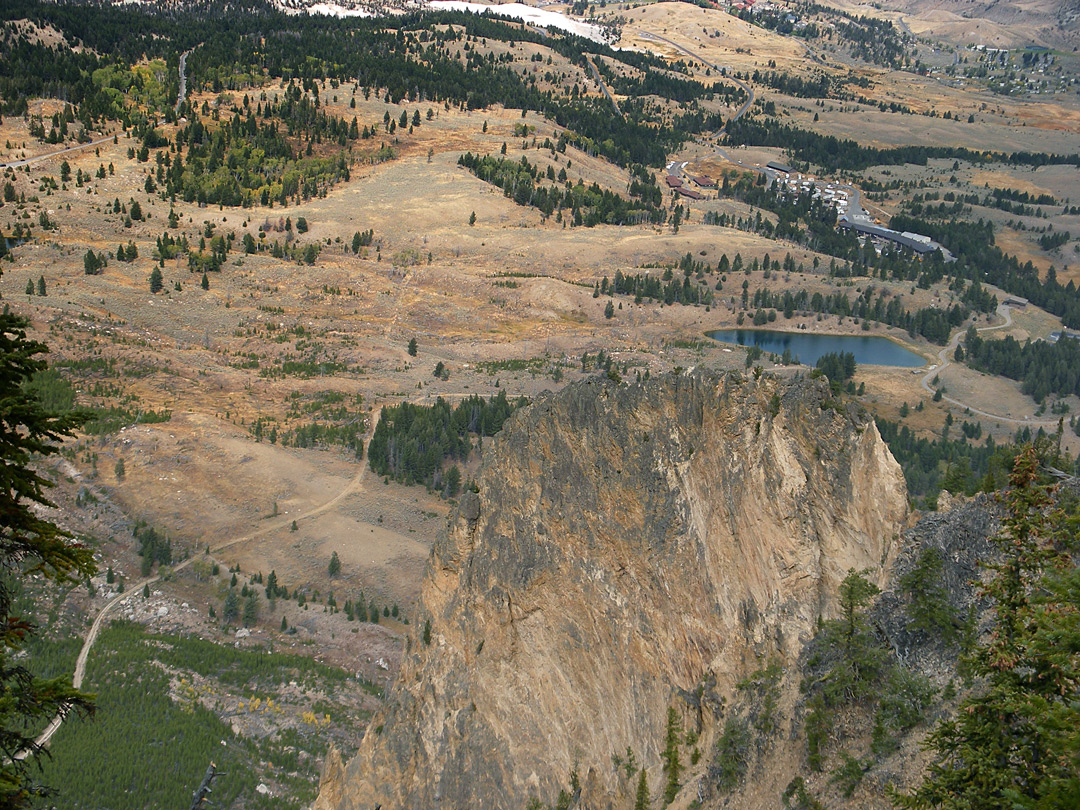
{"x": 603, "y": 87}
{"x": 739, "y": 113}
{"x": 855, "y": 209}
{"x": 183, "y": 78}
{"x": 944, "y": 362}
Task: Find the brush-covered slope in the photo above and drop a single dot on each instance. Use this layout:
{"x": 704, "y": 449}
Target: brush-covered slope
{"x": 628, "y": 544}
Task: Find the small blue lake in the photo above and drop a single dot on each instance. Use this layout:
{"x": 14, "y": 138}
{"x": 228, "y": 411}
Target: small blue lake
{"x": 868, "y": 350}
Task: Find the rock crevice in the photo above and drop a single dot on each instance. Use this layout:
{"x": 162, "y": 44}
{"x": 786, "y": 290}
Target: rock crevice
{"x": 628, "y": 545}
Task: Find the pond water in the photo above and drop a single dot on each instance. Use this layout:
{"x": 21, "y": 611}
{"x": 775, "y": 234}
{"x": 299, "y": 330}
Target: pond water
{"x": 868, "y": 350}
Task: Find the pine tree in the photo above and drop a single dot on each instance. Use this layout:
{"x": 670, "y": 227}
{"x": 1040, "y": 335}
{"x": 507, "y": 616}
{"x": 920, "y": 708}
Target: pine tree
{"x": 205, "y": 282}
{"x": 231, "y": 609}
{"x": 41, "y": 285}
{"x": 334, "y": 568}
{"x": 641, "y": 801}
{"x": 671, "y": 756}
{"x": 1015, "y": 742}
{"x": 284, "y": 624}
{"x": 251, "y": 609}
{"x": 146, "y": 591}
{"x": 156, "y": 281}
{"x": 29, "y": 286}
{"x": 28, "y": 543}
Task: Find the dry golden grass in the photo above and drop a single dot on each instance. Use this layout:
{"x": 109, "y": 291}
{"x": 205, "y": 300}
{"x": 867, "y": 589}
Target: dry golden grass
{"x": 429, "y": 276}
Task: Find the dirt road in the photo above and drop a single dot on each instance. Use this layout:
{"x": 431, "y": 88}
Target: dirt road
{"x": 352, "y": 486}
{"x": 943, "y": 357}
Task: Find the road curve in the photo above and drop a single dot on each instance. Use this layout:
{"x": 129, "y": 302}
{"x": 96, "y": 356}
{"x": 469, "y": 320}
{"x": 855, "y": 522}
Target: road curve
{"x": 739, "y": 113}
{"x": 99, "y": 621}
{"x": 944, "y": 362}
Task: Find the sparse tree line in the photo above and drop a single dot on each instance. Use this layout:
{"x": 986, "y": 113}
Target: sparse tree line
{"x": 408, "y": 58}
{"x": 934, "y": 324}
{"x": 833, "y": 154}
{"x": 1042, "y": 368}
{"x": 586, "y": 206}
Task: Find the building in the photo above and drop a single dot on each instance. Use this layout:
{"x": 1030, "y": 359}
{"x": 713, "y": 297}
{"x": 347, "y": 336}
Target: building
{"x": 1056, "y": 336}
{"x": 913, "y": 241}
{"x": 673, "y": 181}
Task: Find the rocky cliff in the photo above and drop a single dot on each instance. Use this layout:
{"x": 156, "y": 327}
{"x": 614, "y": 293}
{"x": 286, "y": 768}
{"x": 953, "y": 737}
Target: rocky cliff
{"x": 631, "y": 547}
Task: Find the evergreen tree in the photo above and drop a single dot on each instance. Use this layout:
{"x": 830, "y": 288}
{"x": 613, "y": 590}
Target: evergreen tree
{"x": 29, "y": 286}
{"x": 284, "y": 624}
{"x": 671, "y": 756}
{"x": 641, "y": 801}
{"x": 412, "y": 347}
{"x": 251, "y": 609}
{"x": 231, "y": 609}
{"x": 1015, "y": 742}
{"x": 156, "y": 281}
{"x": 334, "y": 568}
{"x": 205, "y": 282}
{"x": 41, "y": 285}
{"x": 28, "y": 543}
{"x": 146, "y": 591}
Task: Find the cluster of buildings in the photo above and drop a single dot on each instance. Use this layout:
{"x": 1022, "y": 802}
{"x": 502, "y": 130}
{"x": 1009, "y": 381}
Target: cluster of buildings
{"x": 798, "y": 183}
{"x": 676, "y": 184}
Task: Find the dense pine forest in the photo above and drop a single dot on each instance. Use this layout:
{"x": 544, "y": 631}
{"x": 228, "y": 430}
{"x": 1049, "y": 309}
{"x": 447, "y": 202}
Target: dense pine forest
{"x": 413, "y": 443}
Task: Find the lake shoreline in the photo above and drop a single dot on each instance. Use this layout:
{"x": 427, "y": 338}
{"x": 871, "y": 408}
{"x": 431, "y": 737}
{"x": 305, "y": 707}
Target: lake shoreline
{"x": 807, "y": 347}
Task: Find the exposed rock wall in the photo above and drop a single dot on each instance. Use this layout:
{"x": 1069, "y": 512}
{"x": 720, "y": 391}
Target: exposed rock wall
{"x": 627, "y": 544}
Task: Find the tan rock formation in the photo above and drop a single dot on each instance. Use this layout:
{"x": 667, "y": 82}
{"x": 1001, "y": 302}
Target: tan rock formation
{"x": 630, "y": 548}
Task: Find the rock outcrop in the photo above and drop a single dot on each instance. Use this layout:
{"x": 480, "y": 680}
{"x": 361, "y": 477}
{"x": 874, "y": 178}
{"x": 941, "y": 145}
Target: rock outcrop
{"x": 631, "y": 547}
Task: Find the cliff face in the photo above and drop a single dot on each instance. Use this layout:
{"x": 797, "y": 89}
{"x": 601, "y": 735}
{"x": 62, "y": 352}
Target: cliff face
{"x": 630, "y": 548}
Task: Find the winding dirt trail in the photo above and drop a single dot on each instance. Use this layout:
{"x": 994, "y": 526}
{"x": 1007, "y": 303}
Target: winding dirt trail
{"x": 354, "y": 485}
{"x": 944, "y": 362}
{"x": 14, "y": 164}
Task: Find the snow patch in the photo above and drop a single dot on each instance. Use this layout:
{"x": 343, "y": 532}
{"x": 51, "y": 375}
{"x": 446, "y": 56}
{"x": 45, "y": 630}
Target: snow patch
{"x": 536, "y": 16}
